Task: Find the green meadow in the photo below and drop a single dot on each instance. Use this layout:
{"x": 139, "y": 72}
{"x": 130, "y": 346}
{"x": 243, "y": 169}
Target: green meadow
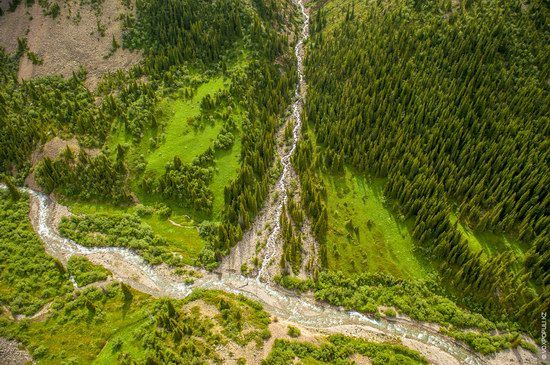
{"x": 180, "y": 231}
{"x": 177, "y": 137}
{"x": 488, "y": 242}
{"x": 364, "y": 235}
{"x": 180, "y": 139}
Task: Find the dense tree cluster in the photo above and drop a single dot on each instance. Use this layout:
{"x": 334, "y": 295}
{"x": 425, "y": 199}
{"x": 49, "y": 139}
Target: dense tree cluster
{"x": 183, "y": 331}
{"x": 29, "y": 278}
{"x": 187, "y": 184}
{"x": 33, "y": 111}
{"x": 291, "y": 259}
{"x": 417, "y": 299}
{"x": 85, "y": 177}
{"x": 451, "y": 104}
{"x": 133, "y": 103}
{"x": 174, "y": 32}
{"x": 127, "y": 230}
{"x": 187, "y": 336}
{"x": 314, "y": 192}
{"x": 487, "y": 344}
{"x": 84, "y": 272}
{"x": 339, "y": 349}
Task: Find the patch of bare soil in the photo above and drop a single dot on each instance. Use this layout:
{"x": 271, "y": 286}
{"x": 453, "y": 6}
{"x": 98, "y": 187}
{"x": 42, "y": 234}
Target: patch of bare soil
{"x": 53, "y": 148}
{"x": 360, "y": 359}
{"x": 12, "y": 354}
{"x": 207, "y": 310}
{"x": 279, "y": 329}
{"x": 69, "y": 41}
{"x": 254, "y": 354}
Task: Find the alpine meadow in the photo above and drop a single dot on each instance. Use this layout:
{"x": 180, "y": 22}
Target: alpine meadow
{"x": 274, "y": 182}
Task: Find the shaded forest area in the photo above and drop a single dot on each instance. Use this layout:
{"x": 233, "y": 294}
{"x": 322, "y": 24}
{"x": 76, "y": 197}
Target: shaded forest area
{"x": 450, "y": 104}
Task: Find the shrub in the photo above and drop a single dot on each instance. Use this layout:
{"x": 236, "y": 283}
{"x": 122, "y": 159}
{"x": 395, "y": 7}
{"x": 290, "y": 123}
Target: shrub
{"x": 144, "y": 211}
{"x": 40, "y": 352}
{"x": 117, "y": 345}
{"x": 84, "y": 272}
{"x": 293, "y": 331}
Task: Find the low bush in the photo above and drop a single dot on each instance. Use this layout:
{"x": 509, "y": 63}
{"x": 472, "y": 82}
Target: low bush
{"x": 84, "y": 272}
{"x": 293, "y": 331}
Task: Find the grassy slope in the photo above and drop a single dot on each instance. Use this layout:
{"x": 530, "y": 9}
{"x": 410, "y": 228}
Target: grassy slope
{"x": 383, "y": 243}
{"x": 84, "y": 339}
{"x": 74, "y": 332}
{"x": 129, "y": 344}
{"x": 227, "y": 165}
{"x": 491, "y": 243}
{"x": 183, "y": 240}
{"x": 180, "y": 138}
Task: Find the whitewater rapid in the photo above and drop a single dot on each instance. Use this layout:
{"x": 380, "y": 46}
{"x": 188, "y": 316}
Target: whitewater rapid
{"x": 284, "y": 179}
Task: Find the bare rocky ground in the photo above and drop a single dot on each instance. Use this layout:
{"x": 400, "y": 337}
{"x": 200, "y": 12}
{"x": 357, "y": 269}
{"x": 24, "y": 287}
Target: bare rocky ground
{"x": 254, "y": 240}
{"x": 69, "y": 41}
{"x": 11, "y": 353}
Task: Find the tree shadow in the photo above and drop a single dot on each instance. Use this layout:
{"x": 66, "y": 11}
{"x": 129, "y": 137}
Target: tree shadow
{"x": 128, "y": 298}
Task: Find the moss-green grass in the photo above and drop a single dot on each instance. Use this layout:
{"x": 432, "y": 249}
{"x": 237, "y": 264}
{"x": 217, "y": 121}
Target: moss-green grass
{"x": 180, "y": 138}
{"x": 488, "y": 242}
{"x": 130, "y": 344}
{"x": 383, "y": 244}
{"x": 227, "y": 166}
{"x": 184, "y": 141}
{"x": 184, "y": 240}
{"x": 72, "y": 331}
